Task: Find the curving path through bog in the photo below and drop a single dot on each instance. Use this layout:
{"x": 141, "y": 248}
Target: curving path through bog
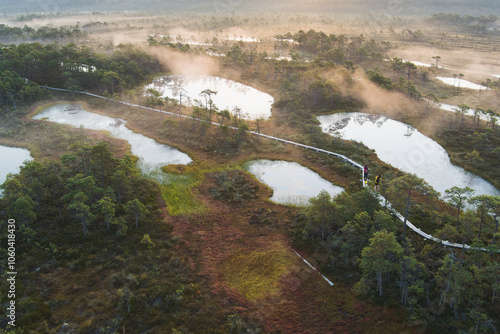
{"x": 383, "y": 201}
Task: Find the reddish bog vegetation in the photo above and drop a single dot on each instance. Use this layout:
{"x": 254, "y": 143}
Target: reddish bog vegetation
{"x": 249, "y": 237}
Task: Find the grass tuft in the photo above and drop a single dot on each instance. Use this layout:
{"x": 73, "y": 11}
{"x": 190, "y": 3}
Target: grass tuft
{"x": 177, "y": 193}
{"x": 257, "y": 274}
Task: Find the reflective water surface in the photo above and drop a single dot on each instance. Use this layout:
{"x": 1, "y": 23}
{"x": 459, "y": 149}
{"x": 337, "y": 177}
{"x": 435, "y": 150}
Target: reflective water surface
{"x": 291, "y": 182}
{"x": 11, "y": 159}
{"x": 152, "y": 155}
{"x": 461, "y": 83}
{"x": 252, "y": 102}
{"x": 453, "y": 108}
{"x": 402, "y": 146}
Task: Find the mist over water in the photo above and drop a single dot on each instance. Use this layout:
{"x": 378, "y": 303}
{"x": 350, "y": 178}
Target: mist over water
{"x": 461, "y": 83}
{"x": 254, "y": 103}
{"x": 405, "y": 148}
{"x": 456, "y": 109}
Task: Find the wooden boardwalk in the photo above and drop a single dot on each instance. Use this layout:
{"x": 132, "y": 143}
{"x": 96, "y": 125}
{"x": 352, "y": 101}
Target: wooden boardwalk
{"x": 383, "y": 201}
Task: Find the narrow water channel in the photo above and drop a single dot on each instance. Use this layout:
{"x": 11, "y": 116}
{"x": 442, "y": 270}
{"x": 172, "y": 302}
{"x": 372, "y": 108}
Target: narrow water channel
{"x": 152, "y": 155}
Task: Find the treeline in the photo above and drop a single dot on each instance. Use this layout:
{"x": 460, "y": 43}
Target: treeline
{"x": 167, "y": 41}
{"x": 403, "y": 85}
{"x": 321, "y": 7}
{"x": 479, "y": 147}
{"x": 303, "y": 90}
{"x": 446, "y": 289}
{"x": 472, "y": 24}
{"x": 107, "y": 5}
{"x": 15, "y": 90}
{"x": 89, "y": 189}
{"x": 334, "y": 48}
{"x": 48, "y": 33}
{"x": 405, "y": 77}
{"x": 25, "y": 66}
{"x": 94, "y": 220}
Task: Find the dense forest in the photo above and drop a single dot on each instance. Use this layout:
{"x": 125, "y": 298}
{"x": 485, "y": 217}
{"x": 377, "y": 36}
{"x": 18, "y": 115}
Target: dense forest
{"x": 44, "y": 33}
{"x": 92, "y": 217}
{"x": 26, "y": 66}
{"x": 466, "y": 23}
{"x": 354, "y": 232}
{"x": 95, "y": 212}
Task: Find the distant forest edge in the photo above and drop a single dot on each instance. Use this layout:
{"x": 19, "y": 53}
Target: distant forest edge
{"x": 466, "y": 23}
{"x": 390, "y": 7}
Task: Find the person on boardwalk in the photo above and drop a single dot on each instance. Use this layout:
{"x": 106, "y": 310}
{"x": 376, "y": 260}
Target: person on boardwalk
{"x": 365, "y": 173}
{"x": 377, "y": 182}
